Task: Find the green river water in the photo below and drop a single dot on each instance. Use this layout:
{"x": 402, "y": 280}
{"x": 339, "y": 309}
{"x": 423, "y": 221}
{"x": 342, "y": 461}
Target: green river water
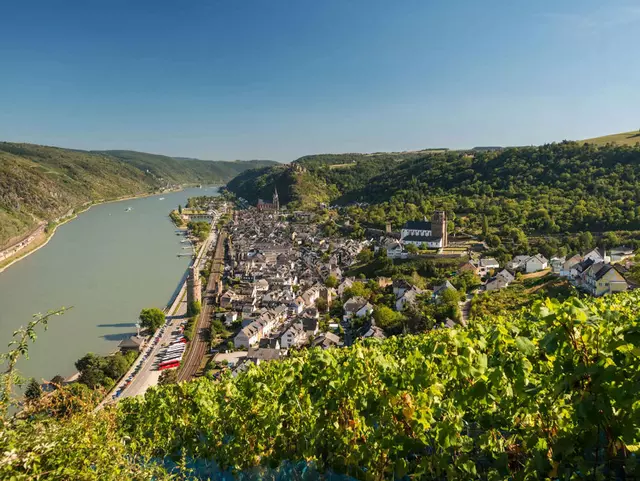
{"x": 108, "y": 264}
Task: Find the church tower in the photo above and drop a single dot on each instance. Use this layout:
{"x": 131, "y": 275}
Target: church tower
{"x": 276, "y": 200}
{"x": 439, "y": 226}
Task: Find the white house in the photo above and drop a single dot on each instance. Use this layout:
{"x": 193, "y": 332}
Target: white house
{"x": 556, "y": 264}
{"x": 517, "y": 263}
{"x": 292, "y": 337}
{"x": 247, "y": 337}
{"x": 501, "y": 280}
{"x": 394, "y": 250}
{"x": 407, "y": 297}
{"x": 620, "y": 253}
{"x": 598, "y": 255}
{"x": 535, "y": 263}
{"x": 487, "y": 264}
{"x": 356, "y": 307}
{"x": 400, "y": 286}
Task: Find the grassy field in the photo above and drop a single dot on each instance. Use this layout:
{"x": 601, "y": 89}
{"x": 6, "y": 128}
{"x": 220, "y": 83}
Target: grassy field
{"x": 625, "y": 138}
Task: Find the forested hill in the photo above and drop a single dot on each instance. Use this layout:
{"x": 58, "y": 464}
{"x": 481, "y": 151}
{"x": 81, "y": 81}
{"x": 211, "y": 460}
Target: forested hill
{"x": 38, "y": 184}
{"x": 549, "y": 189}
{"x": 183, "y": 170}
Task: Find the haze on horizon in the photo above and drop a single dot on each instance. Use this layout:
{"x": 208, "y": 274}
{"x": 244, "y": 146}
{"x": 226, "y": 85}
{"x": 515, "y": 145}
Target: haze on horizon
{"x": 281, "y": 79}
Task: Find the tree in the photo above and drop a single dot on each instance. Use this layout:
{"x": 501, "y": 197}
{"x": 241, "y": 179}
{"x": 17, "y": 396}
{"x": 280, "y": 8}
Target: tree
{"x": 152, "y": 318}
{"x": 493, "y": 241}
{"x": 57, "y": 380}
{"x": 365, "y": 256}
{"x": 321, "y": 304}
{"x": 450, "y": 296}
{"x": 485, "y": 226}
{"x": 115, "y": 366}
{"x": 194, "y": 308}
{"x": 169, "y": 376}
{"x": 387, "y": 319}
{"x": 411, "y": 248}
{"x": 179, "y": 209}
{"x": 331, "y": 281}
{"x": 33, "y": 391}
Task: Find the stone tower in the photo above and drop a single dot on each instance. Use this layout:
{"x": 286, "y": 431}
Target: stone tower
{"x": 194, "y": 287}
{"x": 276, "y": 200}
{"x": 439, "y": 226}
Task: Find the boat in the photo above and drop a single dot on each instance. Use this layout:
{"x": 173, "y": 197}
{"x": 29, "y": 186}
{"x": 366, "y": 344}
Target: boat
{"x": 128, "y": 209}
{"x": 161, "y": 198}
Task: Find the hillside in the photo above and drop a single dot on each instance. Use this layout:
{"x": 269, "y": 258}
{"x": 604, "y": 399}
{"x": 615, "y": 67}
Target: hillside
{"x": 312, "y": 179}
{"x": 546, "y": 393}
{"x": 625, "y": 138}
{"x": 38, "y": 183}
{"x": 183, "y": 170}
{"x": 567, "y": 187}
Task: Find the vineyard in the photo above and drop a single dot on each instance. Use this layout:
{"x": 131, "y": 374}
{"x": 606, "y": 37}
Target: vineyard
{"x": 553, "y": 392}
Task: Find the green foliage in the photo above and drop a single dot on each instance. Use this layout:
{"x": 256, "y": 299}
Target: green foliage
{"x": 388, "y": 319}
{"x": 152, "y": 318}
{"x": 57, "y": 380}
{"x": 33, "y": 391}
{"x": 331, "y": 281}
{"x": 199, "y": 229}
{"x": 194, "y": 308}
{"x": 548, "y": 393}
{"x": 102, "y": 371}
{"x": 19, "y": 348}
{"x": 176, "y": 219}
{"x": 169, "y": 376}
{"x": 466, "y": 281}
{"x": 190, "y": 328}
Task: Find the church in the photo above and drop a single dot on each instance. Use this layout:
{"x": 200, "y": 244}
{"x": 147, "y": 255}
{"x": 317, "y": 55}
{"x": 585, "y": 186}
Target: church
{"x": 433, "y": 234}
{"x": 273, "y": 206}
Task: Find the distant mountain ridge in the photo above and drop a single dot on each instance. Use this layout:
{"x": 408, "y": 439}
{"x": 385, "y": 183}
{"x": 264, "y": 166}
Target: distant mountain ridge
{"x": 39, "y": 183}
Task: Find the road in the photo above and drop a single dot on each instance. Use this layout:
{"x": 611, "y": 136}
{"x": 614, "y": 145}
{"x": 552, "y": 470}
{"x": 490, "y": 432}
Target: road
{"x": 148, "y": 375}
{"x": 465, "y": 307}
{"x": 200, "y": 344}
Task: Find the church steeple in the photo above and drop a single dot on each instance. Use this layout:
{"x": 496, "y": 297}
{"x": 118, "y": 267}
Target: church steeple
{"x": 276, "y": 200}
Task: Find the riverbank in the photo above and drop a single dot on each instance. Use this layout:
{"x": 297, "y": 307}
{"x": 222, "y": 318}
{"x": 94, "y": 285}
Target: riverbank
{"x": 42, "y": 238}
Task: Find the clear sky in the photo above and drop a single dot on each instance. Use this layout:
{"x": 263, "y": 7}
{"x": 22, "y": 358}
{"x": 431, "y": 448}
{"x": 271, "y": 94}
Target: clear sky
{"x": 279, "y": 79}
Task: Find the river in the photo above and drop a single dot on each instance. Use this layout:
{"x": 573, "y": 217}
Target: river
{"x": 108, "y": 264}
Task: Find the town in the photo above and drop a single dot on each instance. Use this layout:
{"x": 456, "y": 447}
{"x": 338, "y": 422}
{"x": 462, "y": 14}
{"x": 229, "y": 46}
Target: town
{"x": 287, "y": 284}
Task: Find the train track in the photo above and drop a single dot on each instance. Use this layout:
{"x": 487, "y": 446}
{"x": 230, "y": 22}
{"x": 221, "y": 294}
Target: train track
{"x": 200, "y": 343}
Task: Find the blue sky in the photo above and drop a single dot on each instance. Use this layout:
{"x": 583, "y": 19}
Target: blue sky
{"x": 283, "y": 78}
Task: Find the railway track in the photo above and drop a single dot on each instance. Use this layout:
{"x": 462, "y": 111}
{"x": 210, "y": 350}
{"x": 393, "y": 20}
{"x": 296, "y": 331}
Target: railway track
{"x": 200, "y": 344}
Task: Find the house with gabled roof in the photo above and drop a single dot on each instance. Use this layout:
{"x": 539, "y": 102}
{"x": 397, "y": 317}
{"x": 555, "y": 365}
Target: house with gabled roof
{"x": 569, "y": 264}
{"x": 407, "y": 297}
{"x": 356, "y": 307}
{"x": 439, "y": 290}
{"x": 535, "y": 263}
{"x": 604, "y": 279}
{"x": 598, "y": 254}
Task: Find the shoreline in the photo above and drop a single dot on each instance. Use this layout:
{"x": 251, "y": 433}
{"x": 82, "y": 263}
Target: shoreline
{"x": 84, "y": 208}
